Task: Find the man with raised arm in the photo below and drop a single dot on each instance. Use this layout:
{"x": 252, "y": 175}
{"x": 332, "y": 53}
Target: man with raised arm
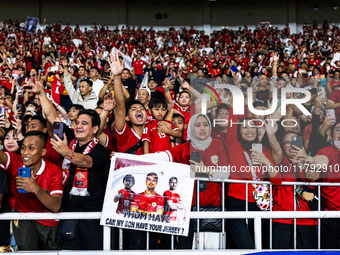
{"x": 84, "y": 166}
{"x": 128, "y": 137}
{"x": 44, "y": 193}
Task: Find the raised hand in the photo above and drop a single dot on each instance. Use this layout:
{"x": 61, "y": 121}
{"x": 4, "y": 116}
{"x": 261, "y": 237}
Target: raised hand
{"x": 109, "y": 102}
{"x": 116, "y": 67}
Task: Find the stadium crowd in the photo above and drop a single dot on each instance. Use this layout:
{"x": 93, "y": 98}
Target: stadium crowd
{"x": 140, "y": 91}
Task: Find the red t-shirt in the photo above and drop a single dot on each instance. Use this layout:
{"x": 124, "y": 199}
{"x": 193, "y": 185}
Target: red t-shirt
{"x": 175, "y": 199}
{"x": 238, "y": 162}
{"x": 283, "y": 196}
{"x": 331, "y": 194}
{"x": 214, "y": 155}
{"x": 125, "y": 202}
{"x": 138, "y": 65}
{"x": 157, "y": 141}
{"x": 333, "y": 82}
{"x": 218, "y": 134}
{"x": 335, "y": 98}
{"x": 148, "y": 203}
{"x": 126, "y": 139}
{"x": 49, "y": 177}
{"x": 51, "y": 154}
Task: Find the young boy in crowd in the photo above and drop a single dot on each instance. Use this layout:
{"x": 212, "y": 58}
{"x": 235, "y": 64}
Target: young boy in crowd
{"x": 156, "y": 134}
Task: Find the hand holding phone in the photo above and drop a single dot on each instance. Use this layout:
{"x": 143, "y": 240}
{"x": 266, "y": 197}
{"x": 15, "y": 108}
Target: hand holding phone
{"x": 58, "y": 129}
{"x": 195, "y": 156}
{"x": 256, "y": 147}
{"x": 2, "y": 113}
{"x": 297, "y": 141}
{"x": 26, "y": 173}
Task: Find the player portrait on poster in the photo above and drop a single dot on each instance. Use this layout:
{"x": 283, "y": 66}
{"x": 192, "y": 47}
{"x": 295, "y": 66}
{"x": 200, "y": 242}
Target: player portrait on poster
{"x": 148, "y": 195}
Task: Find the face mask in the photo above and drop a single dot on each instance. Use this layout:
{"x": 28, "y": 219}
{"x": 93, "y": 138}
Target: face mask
{"x": 337, "y": 144}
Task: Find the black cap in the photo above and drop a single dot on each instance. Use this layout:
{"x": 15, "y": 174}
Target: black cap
{"x": 151, "y": 78}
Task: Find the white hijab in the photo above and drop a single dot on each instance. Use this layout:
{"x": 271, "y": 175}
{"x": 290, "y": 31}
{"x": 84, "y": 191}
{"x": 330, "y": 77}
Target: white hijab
{"x": 195, "y": 142}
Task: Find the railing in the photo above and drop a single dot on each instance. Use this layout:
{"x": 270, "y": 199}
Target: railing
{"x": 256, "y": 215}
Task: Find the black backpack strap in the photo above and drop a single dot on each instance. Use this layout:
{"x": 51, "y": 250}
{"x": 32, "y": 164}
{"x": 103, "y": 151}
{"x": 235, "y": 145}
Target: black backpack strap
{"x": 134, "y": 149}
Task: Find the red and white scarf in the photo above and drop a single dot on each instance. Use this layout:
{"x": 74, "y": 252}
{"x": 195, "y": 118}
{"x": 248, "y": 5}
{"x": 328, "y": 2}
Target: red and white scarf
{"x": 80, "y": 179}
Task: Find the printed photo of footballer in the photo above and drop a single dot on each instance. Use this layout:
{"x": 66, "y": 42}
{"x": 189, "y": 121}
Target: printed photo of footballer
{"x": 125, "y": 196}
{"x": 173, "y": 200}
{"x": 149, "y": 201}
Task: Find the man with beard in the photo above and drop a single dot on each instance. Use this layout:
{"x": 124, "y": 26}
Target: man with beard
{"x": 173, "y": 201}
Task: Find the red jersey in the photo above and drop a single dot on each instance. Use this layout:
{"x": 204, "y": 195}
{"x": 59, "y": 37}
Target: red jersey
{"x": 175, "y": 199}
{"x": 138, "y": 65}
{"x": 125, "y": 201}
{"x": 238, "y": 161}
{"x": 218, "y": 134}
{"x": 49, "y": 177}
{"x": 283, "y": 196}
{"x": 126, "y": 139}
{"x": 331, "y": 194}
{"x": 148, "y": 203}
{"x": 335, "y": 98}
{"x": 214, "y": 155}
{"x": 157, "y": 141}
{"x": 333, "y": 82}
{"x": 51, "y": 154}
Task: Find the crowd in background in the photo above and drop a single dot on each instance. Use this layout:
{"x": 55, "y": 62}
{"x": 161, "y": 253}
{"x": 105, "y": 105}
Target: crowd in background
{"x": 139, "y": 91}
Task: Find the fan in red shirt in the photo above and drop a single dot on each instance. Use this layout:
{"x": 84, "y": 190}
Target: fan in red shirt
{"x": 173, "y": 201}
{"x": 334, "y": 101}
{"x": 328, "y": 156}
{"x": 238, "y": 144}
{"x": 125, "y": 196}
{"x": 128, "y": 137}
{"x": 156, "y": 135}
{"x": 137, "y": 66}
{"x": 215, "y": 70}
{"x": 44, "y": 191}
{"x": 283, "y": 200}
{"x": 149, "y": 201}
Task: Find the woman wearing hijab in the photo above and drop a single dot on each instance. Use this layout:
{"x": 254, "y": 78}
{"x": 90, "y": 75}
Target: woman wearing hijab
{"x": 239, "y": 140}
{"x": 211, "y": 153}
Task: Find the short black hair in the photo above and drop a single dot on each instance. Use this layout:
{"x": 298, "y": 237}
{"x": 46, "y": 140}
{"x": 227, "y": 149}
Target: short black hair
{"x": 41, "y": 135}
{"x": 173, "y": 178}
{"x": 177, "y": 115}
{"x": 126, "y": 69}
{"x": 42, "y": 120}
{"x": 130, "y": 176}
{"x": 95, "y": 119}
{"x": 95, "y": 68}
{"x": 88, "y": 81}
{"x": 222, "y": 106}
{"x": 77, "y": 106}
{"x": 184, "y": 91}
{"x": 258, "y": 103}
{"x": 154, "y": 174}
{"x": 158, "y": 102}
{"x": 131, "y": 104}
{"x": 281, "y": 79}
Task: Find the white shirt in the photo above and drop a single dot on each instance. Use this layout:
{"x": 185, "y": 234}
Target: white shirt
{"x": 97, "y": 86}
{"x": 77, "y": 42}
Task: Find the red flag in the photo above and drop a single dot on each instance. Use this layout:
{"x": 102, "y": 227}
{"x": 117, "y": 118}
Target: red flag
{"x": 56, "y": 88}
